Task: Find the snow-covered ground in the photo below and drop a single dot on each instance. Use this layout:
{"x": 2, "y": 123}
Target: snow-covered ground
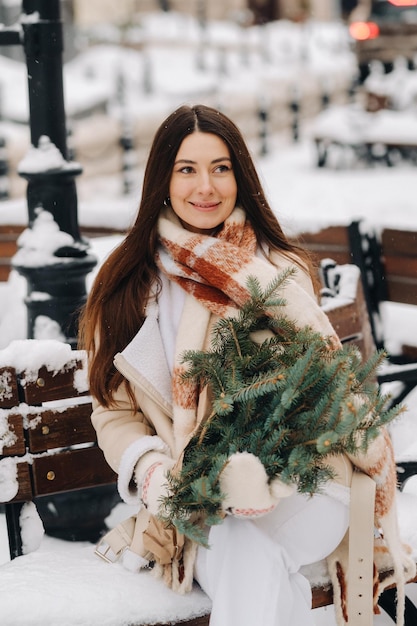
{"x": 303, "y": 196}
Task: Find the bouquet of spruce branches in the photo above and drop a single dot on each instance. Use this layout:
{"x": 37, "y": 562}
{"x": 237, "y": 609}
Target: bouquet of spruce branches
{"x": 287, "y": 396}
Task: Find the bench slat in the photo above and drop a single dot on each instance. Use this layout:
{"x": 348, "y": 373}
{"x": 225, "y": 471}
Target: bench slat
{"x": 332, "y": 241}
{"x": 399, "y": 242}
{"x": 25, "y": 484}
{"x": 49, "y": 386}
{"x": 70, "y": 470}
{"x": 60, "y": 428}
{"x": 401, "y": 267}
{"x": 196, "y": 621}
{"x": 351, "y": 323}
{"x": 401, "y": 290}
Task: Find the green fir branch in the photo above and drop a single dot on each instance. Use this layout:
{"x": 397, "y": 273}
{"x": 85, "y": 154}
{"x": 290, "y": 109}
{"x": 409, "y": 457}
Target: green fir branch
{"x": 291, "y": 400}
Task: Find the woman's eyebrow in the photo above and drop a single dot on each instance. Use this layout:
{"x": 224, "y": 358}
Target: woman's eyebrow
{"x": 191, "y": 162}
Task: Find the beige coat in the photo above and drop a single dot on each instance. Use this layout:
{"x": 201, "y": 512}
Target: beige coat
{"x": 131, "y": 439}
{"x": 125, "y": 435}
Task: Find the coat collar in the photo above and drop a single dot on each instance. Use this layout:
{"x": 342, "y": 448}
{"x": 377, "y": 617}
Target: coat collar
{"x": 146, "y": 355}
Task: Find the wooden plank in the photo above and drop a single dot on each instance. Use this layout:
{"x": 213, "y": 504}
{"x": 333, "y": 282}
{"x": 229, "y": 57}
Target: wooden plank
{"x": 322, "y": 596}
{"x": 9, "y": 395}
{"x": 403, "y": 266}
{"x": 18, "y": 447}
{"x": 7, "y": 248}
{"x": 196, "y": 621}
{"x": 401, "y": 290}
{"x": 400, "y": 242}
{"x": 25, "y": 492}
{"x": 100, "y": 231}
{"x": 49, "y": 386}
{"x": 330, "y": 242}
{"x": 319, "y": 253}
{"x": 11, "y": 229}
{"x": 345, "y": 320}
{"x": 59, "y": 428}
{"x": 409, "y": 351}
{"x": 351, "y": 323}
{"x": 399, "y": 249}
{"x": 25, "y": 485}
{"x": 332, "y": 235}
{"x": 5, "y": 269}
{"x": 70, "y": 470}
{"x": 10, "y": 232}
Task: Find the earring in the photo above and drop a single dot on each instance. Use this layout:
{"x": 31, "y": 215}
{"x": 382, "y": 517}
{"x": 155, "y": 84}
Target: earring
{"x": 167, "y": 201}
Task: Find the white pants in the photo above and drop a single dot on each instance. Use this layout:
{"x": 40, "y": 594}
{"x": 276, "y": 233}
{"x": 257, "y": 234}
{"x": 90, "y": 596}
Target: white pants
{"x": 251, "y": 570}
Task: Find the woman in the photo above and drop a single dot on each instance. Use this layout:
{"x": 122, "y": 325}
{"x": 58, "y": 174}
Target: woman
{"x": 203, "y": 226}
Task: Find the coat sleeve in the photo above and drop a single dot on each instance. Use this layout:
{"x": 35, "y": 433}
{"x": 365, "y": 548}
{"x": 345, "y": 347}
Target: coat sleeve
{"x": 125, "y": 436}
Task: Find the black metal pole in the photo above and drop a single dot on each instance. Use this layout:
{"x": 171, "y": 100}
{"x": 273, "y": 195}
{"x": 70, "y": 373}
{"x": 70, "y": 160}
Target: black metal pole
{"x": 43, "y": 45}
{"x": 62, "y": 281}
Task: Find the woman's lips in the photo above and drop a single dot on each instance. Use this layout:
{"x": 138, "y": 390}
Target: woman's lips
{"x": 205, "y": 207}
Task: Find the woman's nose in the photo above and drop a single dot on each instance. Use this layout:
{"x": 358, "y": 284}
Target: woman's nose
{"x": 204, "y": 184}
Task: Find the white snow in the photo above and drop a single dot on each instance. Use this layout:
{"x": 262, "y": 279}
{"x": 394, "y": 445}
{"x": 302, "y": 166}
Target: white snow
{"x": 8, "y": 478}
{"x": 38, "y": 244}
{"x": 283, "y": 58}
{"x": 44, "y": 158}
{"x": 29, "y": 355}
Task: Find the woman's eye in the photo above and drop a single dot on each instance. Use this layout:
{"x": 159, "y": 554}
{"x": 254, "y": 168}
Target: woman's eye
{"x": 186, "y": 170}
{"x": 223, "y": 168}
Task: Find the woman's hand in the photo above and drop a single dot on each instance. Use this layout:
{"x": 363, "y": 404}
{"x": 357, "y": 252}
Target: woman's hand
{"x": 155, "y": 484}
{"x": 248, "y": 491}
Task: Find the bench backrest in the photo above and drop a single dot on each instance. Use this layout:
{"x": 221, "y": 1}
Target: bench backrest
{"x": 344, "y": 302}
{"x": 387, "y": 259}
{"x": 47, "y": 432}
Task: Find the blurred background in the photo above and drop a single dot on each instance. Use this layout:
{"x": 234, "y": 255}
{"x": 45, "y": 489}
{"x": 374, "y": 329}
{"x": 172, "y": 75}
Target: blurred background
{"x": 270, "y": 64}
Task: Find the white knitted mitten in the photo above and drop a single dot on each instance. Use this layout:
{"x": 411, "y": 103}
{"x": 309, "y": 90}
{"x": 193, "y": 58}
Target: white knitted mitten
{"x": 154, "y": 482}
{"x": 248, "y": 491}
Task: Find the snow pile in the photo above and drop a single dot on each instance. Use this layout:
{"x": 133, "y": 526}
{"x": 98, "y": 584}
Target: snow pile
{"x": 6, "y": 391}
{"x": 8, "y": 479}
{"x": 400, "y": 85}
{"x": 342, "y": 284}
{"x": 29, "y": 355}
{"x": 67, "y": 584}
{"x": 45, "y": 158}
{"x": 37, "y": 245}
{"x": 32, "y": 528}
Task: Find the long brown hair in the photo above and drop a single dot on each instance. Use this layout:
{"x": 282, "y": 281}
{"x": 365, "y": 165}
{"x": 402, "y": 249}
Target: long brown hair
{"x": 115, "y": 307}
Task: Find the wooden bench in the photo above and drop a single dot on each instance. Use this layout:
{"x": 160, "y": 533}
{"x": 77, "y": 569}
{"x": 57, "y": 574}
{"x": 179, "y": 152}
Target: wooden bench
{"x": 49, "y": 444}
{"x": 372, "y": 136}
{"x": 50, "y": 437}
{"x": 388, "y": 264}
{"x": 393, "y": 253}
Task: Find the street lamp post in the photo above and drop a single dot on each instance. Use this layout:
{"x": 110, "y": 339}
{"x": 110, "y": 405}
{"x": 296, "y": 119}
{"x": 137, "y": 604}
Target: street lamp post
{"x": 57, "y": 289}
{"x": 61, "y": 283}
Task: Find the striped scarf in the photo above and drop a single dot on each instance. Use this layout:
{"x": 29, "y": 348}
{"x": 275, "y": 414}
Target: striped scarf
{"x": 207, "y": 267}
{"x": 213, "y": 271}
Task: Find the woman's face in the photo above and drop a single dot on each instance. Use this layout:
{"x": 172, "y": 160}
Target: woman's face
{"x": 203, "y": 187}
